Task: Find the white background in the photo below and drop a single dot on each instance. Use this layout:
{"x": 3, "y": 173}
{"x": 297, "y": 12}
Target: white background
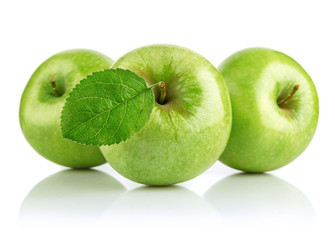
{"x": 296, "y": 201}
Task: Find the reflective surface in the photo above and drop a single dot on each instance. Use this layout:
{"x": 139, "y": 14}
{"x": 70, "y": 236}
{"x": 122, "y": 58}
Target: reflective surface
{"x": 74, "y": 199}
{"x": 173, "y": 207}
{"x": 69, "y": 198}
{"x": 260, "y": 200}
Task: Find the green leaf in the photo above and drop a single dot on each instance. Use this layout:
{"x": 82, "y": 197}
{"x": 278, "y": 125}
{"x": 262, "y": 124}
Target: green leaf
{"x": 107, "y": 107}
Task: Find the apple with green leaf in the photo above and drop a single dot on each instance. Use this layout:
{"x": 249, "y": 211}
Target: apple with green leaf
{"x": 42, "y": 102}
{"x": 186, "y": 130}
{"x": 275, "y": 109}
{"x": 161, "y": 115}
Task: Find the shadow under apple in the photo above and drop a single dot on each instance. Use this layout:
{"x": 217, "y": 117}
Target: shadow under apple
{"x": 260, "y": 200}
{"x": 69, "y": 198}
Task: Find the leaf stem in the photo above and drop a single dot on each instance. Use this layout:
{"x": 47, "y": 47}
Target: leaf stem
{"x": 53, "y": 85}
{"x": 283, "y": 103}
{"x": 153, "y": 85}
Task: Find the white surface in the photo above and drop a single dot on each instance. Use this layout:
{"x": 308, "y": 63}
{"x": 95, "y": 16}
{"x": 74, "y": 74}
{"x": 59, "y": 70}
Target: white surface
{"x": 295, "y": 202}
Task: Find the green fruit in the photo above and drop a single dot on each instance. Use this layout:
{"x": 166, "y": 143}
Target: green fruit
{"x": 185, "y": 135}
{"x": 275, "y": 109}
{"x": 42, "y": 103}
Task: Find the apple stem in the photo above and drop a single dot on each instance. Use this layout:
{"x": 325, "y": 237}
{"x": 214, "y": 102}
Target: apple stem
{"x": 283, "y": 103}
{"x": 163, "y": 92}
{"x": 53, "y": 85}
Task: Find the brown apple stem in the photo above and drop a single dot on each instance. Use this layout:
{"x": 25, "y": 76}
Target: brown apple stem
{"x": 163, "y": 92}
{"x": 53, "y": 85}
{"x": 283, "y": 103}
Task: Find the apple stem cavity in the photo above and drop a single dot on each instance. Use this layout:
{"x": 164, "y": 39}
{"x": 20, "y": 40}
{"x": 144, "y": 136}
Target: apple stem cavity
{"x": 283, "y": 103}
{"x": 163, "y": 92}
{"x": 53, "y": 85}
{"x": 162, "y": 87}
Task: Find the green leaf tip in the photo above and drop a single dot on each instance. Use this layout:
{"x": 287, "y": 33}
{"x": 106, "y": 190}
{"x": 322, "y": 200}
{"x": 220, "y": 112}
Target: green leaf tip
{"x": 107, "y": 107}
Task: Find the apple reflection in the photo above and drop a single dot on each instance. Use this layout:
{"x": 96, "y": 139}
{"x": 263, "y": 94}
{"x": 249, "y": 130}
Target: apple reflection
{"x": 69, "y": 198}
{"x": 260, "y": 200}
{"x": 160, "y": 208}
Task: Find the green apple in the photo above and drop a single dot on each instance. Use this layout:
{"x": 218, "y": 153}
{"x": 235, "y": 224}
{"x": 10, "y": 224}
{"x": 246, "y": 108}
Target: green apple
{"x": 187, "y": 133}
{"x": 43, "y": 100}
{"x": 275, "y": 109}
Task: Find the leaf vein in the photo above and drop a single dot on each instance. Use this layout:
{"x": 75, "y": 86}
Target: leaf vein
{"x": 117, "y": 129}
{"x": 109, "y": 113}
